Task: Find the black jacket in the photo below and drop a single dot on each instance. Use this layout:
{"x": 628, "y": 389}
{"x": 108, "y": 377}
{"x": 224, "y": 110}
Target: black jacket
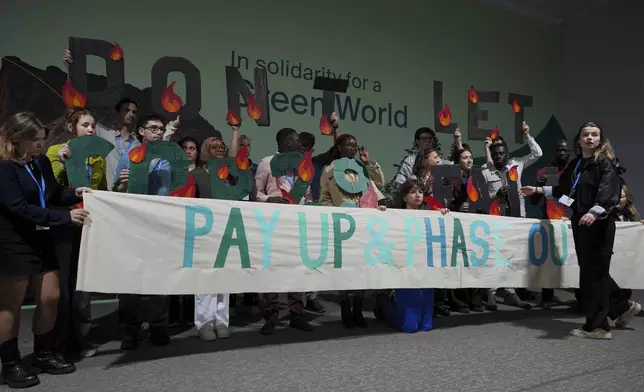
{"x": 598, "y": 186}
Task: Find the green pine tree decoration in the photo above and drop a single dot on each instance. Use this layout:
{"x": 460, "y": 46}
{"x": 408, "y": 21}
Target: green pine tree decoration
{"x": 391, "y": 188}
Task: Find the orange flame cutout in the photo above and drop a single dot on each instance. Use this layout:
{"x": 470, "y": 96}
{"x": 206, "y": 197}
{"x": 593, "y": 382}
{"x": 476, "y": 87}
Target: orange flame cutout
{"x": 137, "y": 154}
{"x": 494, "y": 208}
{"x": 222, "y": 172}
{"x": 241, "y": 160}
{"x": 287, "y": 196}
{"x": 232, "y": 119}
{"x": 116, "y": 53}
{"x": 515, "y": 106}
{"x": 555, "y": 210}
{"x": 513, "y": 173}
{"x": 305, "y": 169}
{"x": 472, "y": 192}
{"x": 445, "y": 116}
{"x": 72, "y": 97}
{"x": 494, "y": 134}
{"x": 253, "y": 109}
{"x": 326, "y": 128}
{"x": 472, "y": 95}
{"x": 433, "y": 203}
{"x": 170, "y": 101}
{"x": 189, "y": 189}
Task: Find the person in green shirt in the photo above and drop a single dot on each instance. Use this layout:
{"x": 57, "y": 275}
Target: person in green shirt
{"x": 74, "y": 316}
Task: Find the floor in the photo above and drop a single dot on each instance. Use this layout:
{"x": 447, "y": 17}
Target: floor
{"x": 511, "y": 351}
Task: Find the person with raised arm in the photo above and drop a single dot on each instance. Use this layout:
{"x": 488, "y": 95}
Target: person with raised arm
{"x": 332, "y": 195}
{"x": 463, "y": 300}
{"x": 424, "y": 138}
{"x": 212, "y": 311}
{"x": 591, "y": 187}
{"x": 268, "y": 188}
{"x": 495, "y": 173}
{"x": 27, "y": 255}
{"x": 153, "y": 309}
{"x": 121, "y": 133}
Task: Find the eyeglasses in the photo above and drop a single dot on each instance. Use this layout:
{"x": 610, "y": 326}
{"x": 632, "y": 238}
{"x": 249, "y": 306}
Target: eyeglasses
{"x": 156, "y": 129}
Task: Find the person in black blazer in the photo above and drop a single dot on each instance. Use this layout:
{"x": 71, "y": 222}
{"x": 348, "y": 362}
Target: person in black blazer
{"x": 590, "y": 186}
{"x": 27, "y": 257}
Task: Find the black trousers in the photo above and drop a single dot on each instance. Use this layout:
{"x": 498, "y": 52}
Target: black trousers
{"x": 74, "y": 320}
{"x": 137, "y": 309}
{"x": 594, "y": 247}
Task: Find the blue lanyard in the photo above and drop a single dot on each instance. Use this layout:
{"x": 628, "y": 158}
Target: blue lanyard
{"x": 118, "y": 145}
{"x": 574, "y": 179}
{"x": 288, "y": 178}
{"x": 154, "y": 178}
{"x": 90, "y": 172}
{"x": 41, "y": 185}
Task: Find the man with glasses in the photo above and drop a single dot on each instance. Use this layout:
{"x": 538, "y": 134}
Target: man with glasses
{"x": 153, "y": 309}
{"x": 424, "y": 138}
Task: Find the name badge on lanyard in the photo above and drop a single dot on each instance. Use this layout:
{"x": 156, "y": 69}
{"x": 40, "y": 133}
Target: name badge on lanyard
{"x": 568, "y": 200}
{"x": 41, "y": 190}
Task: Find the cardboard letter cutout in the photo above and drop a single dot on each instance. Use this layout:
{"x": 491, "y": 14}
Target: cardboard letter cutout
{"x": 160, "y": 71}
{"x": 236, "y": 86}
{"x": 114, "y": 71}
{"x": 220, "y": 188}
{"x": 474, "y": 115}
{"x": 82, "y": 148}
{"x": 171, "y": 152}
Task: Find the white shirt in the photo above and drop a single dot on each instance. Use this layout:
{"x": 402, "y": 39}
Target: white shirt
{"x": 496, "y": 179}
{"x": 407, "y": 166}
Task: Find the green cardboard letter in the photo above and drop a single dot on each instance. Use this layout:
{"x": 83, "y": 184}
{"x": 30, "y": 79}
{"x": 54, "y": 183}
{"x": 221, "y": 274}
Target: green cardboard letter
{"x": 171, "y": 152}
{"x": 83, "y": 147}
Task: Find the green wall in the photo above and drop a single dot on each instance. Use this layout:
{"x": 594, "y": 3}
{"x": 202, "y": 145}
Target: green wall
{"x": 403, "y": 45}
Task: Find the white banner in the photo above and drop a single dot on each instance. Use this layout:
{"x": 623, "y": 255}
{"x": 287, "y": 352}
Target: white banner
{"x": 167, "y": 245}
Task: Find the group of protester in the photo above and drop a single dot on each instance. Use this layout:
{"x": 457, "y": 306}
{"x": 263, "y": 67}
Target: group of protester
{"x": 41, "y": 219}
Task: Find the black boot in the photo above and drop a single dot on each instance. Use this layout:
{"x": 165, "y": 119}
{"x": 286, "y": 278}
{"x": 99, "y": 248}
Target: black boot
{"x": 13, "y": 374}
{"x": 476, "y": 300}
{"x": 358, "y": 317}
{"x": 347, "y": 316}
{"x": 45, "y": 360}
{"x": 377, "y": 309}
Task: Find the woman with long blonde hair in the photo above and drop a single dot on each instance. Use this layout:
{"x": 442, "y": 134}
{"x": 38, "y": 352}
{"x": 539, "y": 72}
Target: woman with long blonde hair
{"x": 29, "y": 191}
{"x": 591, "y": 187}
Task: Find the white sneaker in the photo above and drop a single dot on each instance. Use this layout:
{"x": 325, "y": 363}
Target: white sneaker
{"x": 207, "y": 334}
{"x": 594, "y": 334}
{"x": 628, "y": 315}
{"x": 222, "y": 332}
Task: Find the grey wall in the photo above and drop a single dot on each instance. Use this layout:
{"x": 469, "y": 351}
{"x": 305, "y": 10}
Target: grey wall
{"x": 604, "y": 80}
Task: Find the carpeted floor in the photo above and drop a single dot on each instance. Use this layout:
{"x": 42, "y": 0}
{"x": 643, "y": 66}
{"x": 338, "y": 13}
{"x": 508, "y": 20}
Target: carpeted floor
{"x": 506, "y": 351}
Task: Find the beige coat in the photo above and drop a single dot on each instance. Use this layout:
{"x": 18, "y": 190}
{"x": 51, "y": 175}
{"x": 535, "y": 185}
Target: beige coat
{"x": 332, "y": 196}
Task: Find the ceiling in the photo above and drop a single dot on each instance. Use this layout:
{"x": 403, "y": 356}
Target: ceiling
{"x": 548, "y": 11}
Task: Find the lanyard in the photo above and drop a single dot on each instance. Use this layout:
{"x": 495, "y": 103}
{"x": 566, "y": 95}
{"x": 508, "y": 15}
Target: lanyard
{"x": 575, "y": 177}
{"x": 154, "y": 178}
{"x": 289, "y": 180}
{"x": 41, "y": 185}
{"x": 90, "y": 172}
{"x": 118, "y": 145}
